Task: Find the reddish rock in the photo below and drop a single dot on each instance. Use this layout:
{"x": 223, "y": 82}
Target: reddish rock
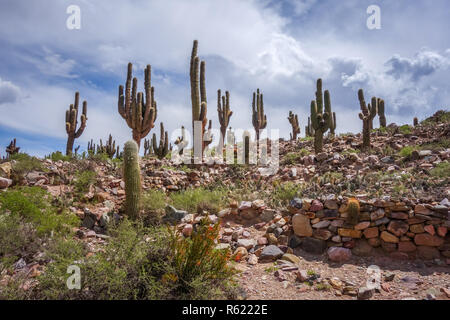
{"x": 425, "y": 239}
{"x": 339, "y": 254}
{"x": 371, "y": 233}
{"x": 417, "y": 228}
{"x": 442, "y": 231}
{"x": 388, "y": 237}
{"x": 421, "y": 209}
{"x": 427, "y": 253}
{"x": 398, "y": 228}
{"x": 362, "y": 225}
{"x": 374, "y": 242}
{"x": 406, "y": 246}
{"x": 430, "y": 229}
{"x": 316, "y": 205}
{"x": 349, "y": 233}
{"x": 399, "y": 215}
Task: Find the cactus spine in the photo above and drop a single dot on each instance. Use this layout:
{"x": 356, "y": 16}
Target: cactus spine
{"x": 140, "y": 115}
{"x": 381, "y": 115}
{"x": 72, "y": 121}
{"x": 320, "y": 120}
{"x": 223, "y": 109}
{"x": 132, "y": 177}
{"x": 368, "y": 113}
{"x": 198, "y": 92}
{"x": 259, "y": 119}
{"x": 293, "y": 120}
{"x": 163, "y": 149}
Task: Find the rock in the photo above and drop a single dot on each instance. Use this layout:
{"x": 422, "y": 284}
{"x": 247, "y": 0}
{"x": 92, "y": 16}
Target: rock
{"x": 262, "y": 241}
{"x": 5, "y": 183}
{"x": 343, "y": 232}
{"x": 316, "y": 205}
{"x": 440, "y": 208}
{"x": 417, "y": 228}
{"x": 291, "y": 258}
{"x": 252, "y": 259}
{"x": 427, "y": 253}
{"x": 270, "y": 253}
{"x": 223, "y": 246}
{"x": 240, "y": 253}
{"x": 389, "y": 237}
{"x": 271, "y": 238}
{"x": 246, "y": 243}
{"x": 245, "y": 205}
{"x": 5, "y": 170}
{"x": 365, "y": 293}
{"x": 377, "y": 214}
{"x": 425, "y": 239}
{"x": 223, "y": 213}
{"x": 301, "y": 225}
{"x": 442, "y": 231}
{"x": 313, "y": 245}
{"x": 398, "y": 228}
{"x": 267, "y": 215}
{"x": 295, "y": 241}
{"x": 362, "y": 225}
{"x": 430, "y": 229}
{"x": 388, "y": 277}
{"x": 374, "y": 242}
{"x": 187, "y": 230}
{"x": 406, "y": 246}
{"x": 322, "y": 234}
{"x": 399, "y": 215}
{"x": 371, "y": 233}
{"x": 173, "y": 215}
{"x": 322, "y": 224}
{"x": 302, "y": 276}
{"x": 362, "y": 248}
{"x": 421, "y": 209}
{"x": 295, "y": 205}
{"x": 339, "y": 254}
{"x": 331, "y": 204}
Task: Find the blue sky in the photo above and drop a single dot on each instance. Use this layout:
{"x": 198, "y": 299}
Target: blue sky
{"x": 281, "y": 47}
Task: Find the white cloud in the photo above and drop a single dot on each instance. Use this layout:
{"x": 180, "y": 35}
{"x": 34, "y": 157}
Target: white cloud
{"x": 9, "y": 92}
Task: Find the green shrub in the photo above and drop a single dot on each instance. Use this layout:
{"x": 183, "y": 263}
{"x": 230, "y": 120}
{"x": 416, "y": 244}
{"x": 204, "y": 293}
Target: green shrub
{"x": 24, "y": 164}
{"x": 198, "y": 199}
{"x": 285, "y": 192}
{"x": 83, "y": 180}
{"x": 154, "y": 200}
{"x": 407, "y": 151}
{"x": 442, "y": 170}
{"x": 405, "y": 129}
{"x": 294, "y": 157}
{"x": 57, "y": 156}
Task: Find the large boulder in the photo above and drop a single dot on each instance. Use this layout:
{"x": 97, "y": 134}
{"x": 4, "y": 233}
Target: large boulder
{"x": 339, "y": 254}
{"x": 5, "y": 183}
{"x": 302, "y": 225}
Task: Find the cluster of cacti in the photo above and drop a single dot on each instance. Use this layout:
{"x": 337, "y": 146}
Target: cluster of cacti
{"x": 293, "y": 120}
{"x": 223, "y": 109}
{"x": 132, "y": 178}
{"x": 415, "y": 122}
{"x": 380, "y": 109}
{"x": 259, "y": 119}
{"x": 321, "y": 120}
{"x": 198, "y": 93}
{"x": 368, "y": 113}
{"x": 163, "y": 149}
{"x": 309, "y": 130}
{"x": 109, "y": 148}
{"x": 12, "y": 148}
{"x": 72, "y": 121}
{"x": 353, "y": 210}
{"x": 139, "y": 115}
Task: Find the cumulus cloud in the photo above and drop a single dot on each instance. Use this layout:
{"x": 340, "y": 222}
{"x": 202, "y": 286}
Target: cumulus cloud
{"x": 9, "y": 93}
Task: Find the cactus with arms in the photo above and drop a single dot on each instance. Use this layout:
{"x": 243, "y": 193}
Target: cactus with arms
{"x": 293, "y": 120}
{"x": 12, "y": 148}
{"x": 259, "y": 119}
{"x": 72, "y": 121}
{"x": 140, "y": 115}
{"x": 223, "y": 109}
{"x": 109, "y": 148}
{"x": 163, "y": 149}
{"x": 368, "y": 113}
{"x": 320, "y": 120}
{"x": 198, "y": 92}
{"x": 132, "y": 177}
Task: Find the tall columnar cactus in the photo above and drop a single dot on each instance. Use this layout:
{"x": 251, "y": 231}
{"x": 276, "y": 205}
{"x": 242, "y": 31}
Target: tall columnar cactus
{"x": 380, "y": 103}
{"x": 320, "y": 120}
{"x": 163, "y": 149}
{"x": 246, "y": 142}
{"x": 12, "y": 148}
{"x": 132, "y": 177}
{"x": 223, "y": 109}
{"x": 309, "y": 130}
{"x": 147, "y": 147}
{"x": 140, "y": 115}
{"x": 293, "y": 120}
{"x": 91, "y": 147}
{"x": 415, "y": 122}
{"x": 259, "y": 119}
{"x": 368, "y": 113}
{"x": 198, "y": 92}
{"x": 72, "y": 121}
{"x": 333, "y": 124}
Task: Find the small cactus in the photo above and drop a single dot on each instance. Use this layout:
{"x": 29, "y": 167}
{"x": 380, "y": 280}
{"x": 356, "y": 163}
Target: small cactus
{"x": 293, "y": 120}
{"x": 132, "y": 177}
{"x": 416, "y": 122}
{"x": 12, "y": 148}
{"x": 368, "y": 113}
{"x": 147, "y": 147}
{"x": 72, "y": 121}
{"x": 163, "y": 149}
{"x": 353, "y": 210}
